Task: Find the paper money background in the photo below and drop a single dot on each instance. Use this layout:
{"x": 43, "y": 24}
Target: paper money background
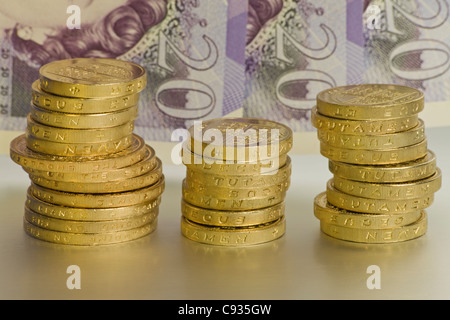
{"x": 208, "y": 59}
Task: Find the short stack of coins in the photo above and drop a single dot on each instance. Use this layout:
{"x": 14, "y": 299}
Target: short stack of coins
{"x": 384, "y": 176}
{"x": 93, "y": 181}
{"x": 234, "y": 190}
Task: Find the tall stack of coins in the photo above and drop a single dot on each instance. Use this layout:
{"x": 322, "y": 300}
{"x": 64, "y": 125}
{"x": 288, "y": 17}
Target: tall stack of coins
{"x": 237, "y": 175}
{"x": 384, "y": 176}
{"x": 93, "y": 181}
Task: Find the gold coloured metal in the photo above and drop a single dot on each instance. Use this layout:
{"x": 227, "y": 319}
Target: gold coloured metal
{"x": 222, "y": 218}
{"x": 370, "y": 101}
{"x": 79, "y": 149}
{"x": 236, "y": 193}
{"x": 93, "y": 181}
{"x": 224, "y": 203}
{"x": 83, "y": 121}
{"x": 376, "y": 206}
{"x": 89, "y": 214}
{"x": 395, "y": 173}
{"x": 375, "y": 156}
{"x": 409, "y": 190}
{"x": 214, "y": 166}
{"x": 138, "y": 182}
{"x": 47, "y": 133}
{"x": 239, "y": 180}
{"x": 233, "y": 236}
{"x": 327, "y": 213}
{"x": 240, "y": 139}
{"x": 369, "y": 141}
{"x": 145, "y": 165}
{"x": 29, "y": 159}
{"x": 88, "y": 239}
{"x": 82, "y": 106}
{"x": 106, "y": 200}
{"x": 362, "y": 127}
{"x": 87, "y": 227}
{"x": 391, "y": 235}
{"x": 92, "y": 78}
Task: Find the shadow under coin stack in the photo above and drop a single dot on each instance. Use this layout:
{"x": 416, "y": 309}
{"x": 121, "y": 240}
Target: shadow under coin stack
{"x": 384, "y": 176}
{"x": 93, "y": 181}
{"x": 231, "y": 196}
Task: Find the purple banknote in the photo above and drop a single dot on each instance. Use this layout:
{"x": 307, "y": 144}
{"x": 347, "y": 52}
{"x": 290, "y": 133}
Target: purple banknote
{"x": 193, "y": 51}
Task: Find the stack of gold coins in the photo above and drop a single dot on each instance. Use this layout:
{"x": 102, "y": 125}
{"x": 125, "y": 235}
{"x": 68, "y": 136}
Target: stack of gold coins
{"x": 237, "y": 175}
{"x": 93, "y": 181}
{"x": 384, "y": 176}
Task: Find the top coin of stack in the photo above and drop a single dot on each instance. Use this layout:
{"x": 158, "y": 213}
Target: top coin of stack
{"x": 237, "y": 175}
{"x": 93, "y": 180}
{"x": 384, "y": 174}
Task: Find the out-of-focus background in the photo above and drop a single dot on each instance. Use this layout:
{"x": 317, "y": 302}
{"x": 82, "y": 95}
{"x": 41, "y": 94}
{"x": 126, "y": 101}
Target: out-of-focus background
{"x": 209, "y": 59}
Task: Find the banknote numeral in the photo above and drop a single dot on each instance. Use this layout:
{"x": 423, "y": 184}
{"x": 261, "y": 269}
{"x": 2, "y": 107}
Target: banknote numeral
{"x": 193, "y": 90}
{"x": 317, "y": 54}
{"x": 424, "y": 22}
{"x": 4, "y": 90}
{"x": 282, "y": 36}
{"x": 403, "y": 49}
{"x": 4, "y": 72}
{"x": 197, "y": 64}
{"x": 5, "y": 54}
{"x": 5, "y": 78}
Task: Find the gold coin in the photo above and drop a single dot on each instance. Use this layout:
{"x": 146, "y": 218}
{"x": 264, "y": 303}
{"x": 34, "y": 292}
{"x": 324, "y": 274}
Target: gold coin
{"x": 107, "y": 200}
{"x": 92, "y": 78}
{"x": 370, "y": 101}
{"x": 47, "y": 133}
{"x": 29, "y": 159}
{"x": 231, "y": 218}
{"x": 239, "y": 181}
{"x": 236, "y": 193}
{"x": 79, "y": 149}
{"x": 233, "y": 236}
{"x": 222, "y": 203}
{"x": 145, "y": 165}
{"x": 361, "y": 127}
{"x": 375, "y": 156}
{"x": 414, "y": 189}
{"x": 129, "y": 184}
{"x": 89, "y": 214}
{"x": 83, "y": 121}
{"x": 88, "y": 239}
{"x": 386, "y": 141}
{"x": 375, "y": 206}
{"x": 327, "y": 213}
{"x": 395, "y": 173}
{"x": 57, "y": 103}
{"x": 214, "y": 166}
{"x": 240, "y": 139}
{"x": 85, "y": 227}
{"x": 391, "y": 235}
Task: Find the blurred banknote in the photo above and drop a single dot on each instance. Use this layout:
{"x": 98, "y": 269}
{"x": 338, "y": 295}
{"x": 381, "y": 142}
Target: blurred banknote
{"x": 296, "y": 48}
{"x": 193, "y": 51}
{"x": 207, "y": 59}
{"x": 408, "y": 43}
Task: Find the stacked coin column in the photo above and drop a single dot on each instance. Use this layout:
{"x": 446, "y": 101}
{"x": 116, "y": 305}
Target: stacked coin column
{"x": 384, "y": 175}
{"x": 93, "y": 181}
{"x": 240, "y": 202}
